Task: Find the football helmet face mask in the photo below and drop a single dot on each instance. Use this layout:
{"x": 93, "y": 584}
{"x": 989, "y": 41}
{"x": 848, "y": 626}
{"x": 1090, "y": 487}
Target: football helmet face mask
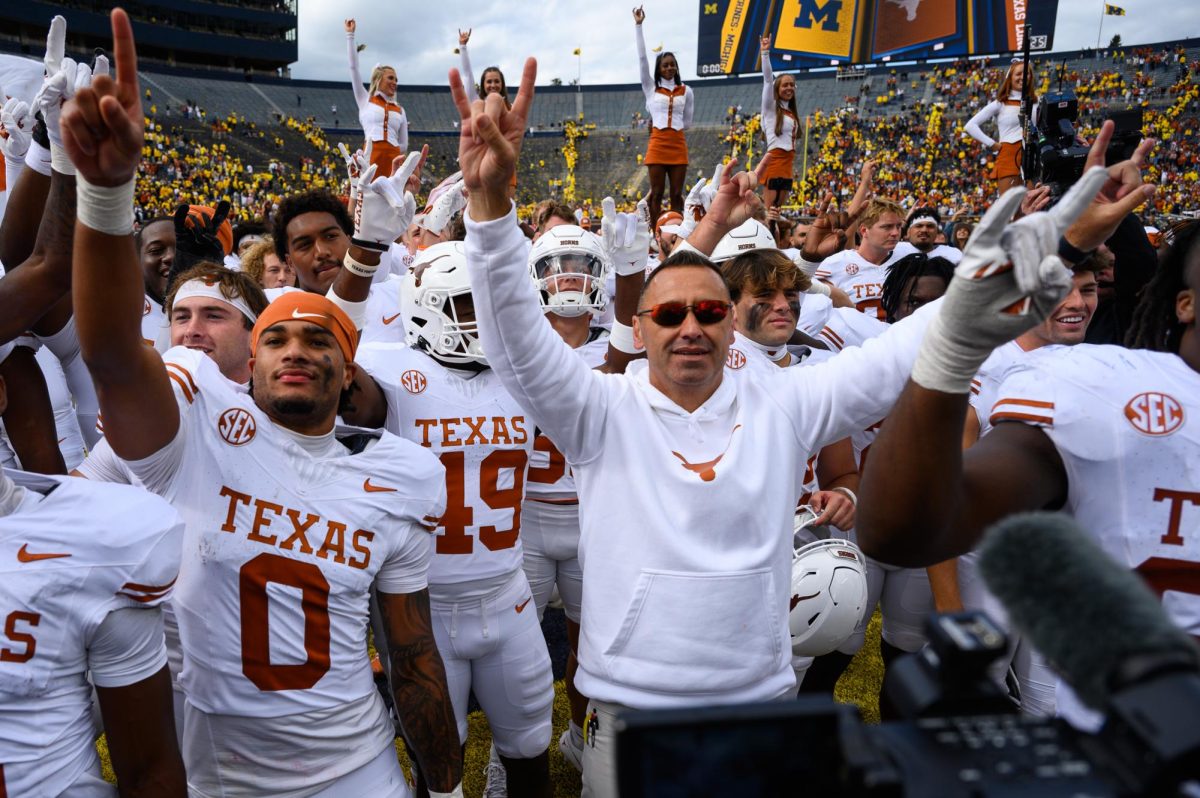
{"x": 750, "y": 234}
{"x": 828, "y": 597}
{"x": 439, "y": 316}
{"x": 569, "y": 267}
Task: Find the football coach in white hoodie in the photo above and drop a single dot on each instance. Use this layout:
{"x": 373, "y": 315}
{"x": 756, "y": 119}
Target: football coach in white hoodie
{"x": 688, "y": 474}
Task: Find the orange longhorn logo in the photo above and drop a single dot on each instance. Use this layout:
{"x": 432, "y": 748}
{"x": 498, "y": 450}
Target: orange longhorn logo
{"x": 707, "y": 470}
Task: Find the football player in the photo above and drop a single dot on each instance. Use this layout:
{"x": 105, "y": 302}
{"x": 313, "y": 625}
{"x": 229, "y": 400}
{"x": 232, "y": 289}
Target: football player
{"x": 1068, "y": 423}
{"x": 287, "y": 527}
{"x": 85, "y": 572}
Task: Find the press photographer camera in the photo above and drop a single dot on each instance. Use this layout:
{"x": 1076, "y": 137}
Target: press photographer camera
{"x": 962, "y": 734}
{"x": 1054, "y": 153}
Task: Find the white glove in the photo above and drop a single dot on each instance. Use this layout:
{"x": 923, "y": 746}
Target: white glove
{"x": 356, "y": 164}
{"x": 626, "y": 237}
{"x": 384, "y": 210}
{"x": 1009, "y": 280}
{"x": 698, "y": 200}
{"x": 16, "y": 129}
{"x": 450, "y": 202}
{"x": 56, "y": 45}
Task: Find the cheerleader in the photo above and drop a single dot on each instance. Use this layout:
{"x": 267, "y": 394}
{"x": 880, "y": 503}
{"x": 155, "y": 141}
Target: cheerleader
{"x": 1006, "y": 109}
{"x": 383, "y": 121}
{"x": 492, "y": 82}
{"x": 780, "y": 124}
{"x": 670, "y": 105}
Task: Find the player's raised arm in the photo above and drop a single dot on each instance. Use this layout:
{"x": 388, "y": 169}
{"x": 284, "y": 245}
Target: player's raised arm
{"x": 102, "y": 132}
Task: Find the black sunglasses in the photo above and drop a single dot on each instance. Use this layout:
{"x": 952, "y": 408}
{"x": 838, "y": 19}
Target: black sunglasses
{"x": 672, "y": 314}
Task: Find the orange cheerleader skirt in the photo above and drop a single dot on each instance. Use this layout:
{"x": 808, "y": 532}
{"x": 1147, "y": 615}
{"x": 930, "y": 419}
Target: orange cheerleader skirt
{"x": 779, "y": 164}
{"x": 382, "y": 155}
{"x": 667, "y": 147}
{"x": 1008, "y": 160}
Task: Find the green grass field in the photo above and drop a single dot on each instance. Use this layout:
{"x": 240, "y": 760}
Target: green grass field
{"x": 859, "y": 685}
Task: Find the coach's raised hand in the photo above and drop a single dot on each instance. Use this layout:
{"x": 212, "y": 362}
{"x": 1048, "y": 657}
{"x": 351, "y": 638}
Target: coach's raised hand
{"x": 103, "y": 126}
{"x": 489, "y": 143}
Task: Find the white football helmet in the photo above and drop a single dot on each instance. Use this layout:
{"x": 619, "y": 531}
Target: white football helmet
{"x": 750, "y": 234}
{"x": 829, "y": 595}
{"x": 431, "y": 303}
{"x": 569, "y": 267}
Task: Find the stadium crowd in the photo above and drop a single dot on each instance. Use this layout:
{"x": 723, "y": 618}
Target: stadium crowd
{"x": 290, "y": 446}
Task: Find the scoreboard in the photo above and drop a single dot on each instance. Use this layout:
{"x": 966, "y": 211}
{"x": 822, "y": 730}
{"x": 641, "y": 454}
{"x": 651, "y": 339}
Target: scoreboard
{"x": 821, "y": 33}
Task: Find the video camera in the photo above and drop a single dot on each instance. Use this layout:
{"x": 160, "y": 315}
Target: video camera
{"x": 1054, "y": 155}
{"x": 962, "y": 736}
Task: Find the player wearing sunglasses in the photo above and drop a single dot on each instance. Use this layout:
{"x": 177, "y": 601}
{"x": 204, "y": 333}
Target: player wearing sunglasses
{"x": 687, "y": 475}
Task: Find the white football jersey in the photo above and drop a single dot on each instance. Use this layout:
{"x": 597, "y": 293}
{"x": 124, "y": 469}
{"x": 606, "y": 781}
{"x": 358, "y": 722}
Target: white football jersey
{"x": 71, "y": 553}
{"x": 905, "y": 248}
{"x": 483, "y": 438}
{"x": 1125, "y": 424}
{"x": 384, "y": 324}
{"x": 858, "y": 277}
{"x": 549, "y": 474}
{"x": 849, "y": 328}
{"x": 985, "y": 387}
{"x": 156, "y": 328}
{"x": 282, "y": 548}
{"x": 814, "y": 312}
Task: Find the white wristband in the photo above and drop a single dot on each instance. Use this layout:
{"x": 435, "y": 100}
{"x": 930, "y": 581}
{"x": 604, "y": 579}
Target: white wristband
{"x": 686, "y": 246}
{"x": 357, "y": 311}
{"x": 849, "y": 494}
{"x": 60, "y": 161}
{"x": 457, "y": 792}
{"x": 807, "y": 266}
{"x": 37, "y": 158}
{"x": 107, "y": 209}
{"x": 818, "y": 287}
{"x": 621, "y": 339}
{"x": 357, "y": 267}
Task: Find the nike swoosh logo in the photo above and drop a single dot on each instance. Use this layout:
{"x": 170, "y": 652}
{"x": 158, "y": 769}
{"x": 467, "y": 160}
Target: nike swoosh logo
{"x": 369, "y": 488}
{"x": 296, "y": 314}
{"x": 390, "y": 319}
{"x": 25, "y": 555}
{"x": 797, "y": 599}
{"x": 521, "y": 606}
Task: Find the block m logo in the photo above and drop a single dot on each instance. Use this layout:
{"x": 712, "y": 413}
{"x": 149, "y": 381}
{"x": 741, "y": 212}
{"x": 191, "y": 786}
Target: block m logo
{"x": 710, "y": 8}
{"x": 812, "y": 13}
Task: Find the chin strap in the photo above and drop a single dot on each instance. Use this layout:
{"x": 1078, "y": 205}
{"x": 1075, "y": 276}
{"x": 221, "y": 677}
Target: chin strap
{"x": 775, "y": 353}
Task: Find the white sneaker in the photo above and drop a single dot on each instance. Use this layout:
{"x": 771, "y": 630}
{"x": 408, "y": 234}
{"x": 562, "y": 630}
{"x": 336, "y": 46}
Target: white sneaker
{"x": 571, "y": 753}
{"x": 496, "y": 784}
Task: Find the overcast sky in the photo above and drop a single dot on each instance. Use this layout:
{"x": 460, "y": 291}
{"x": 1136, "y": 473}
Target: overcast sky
{"x": 420, "y": 43}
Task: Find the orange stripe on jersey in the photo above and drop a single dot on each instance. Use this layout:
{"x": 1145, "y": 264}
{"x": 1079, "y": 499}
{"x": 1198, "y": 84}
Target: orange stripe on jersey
{"x": 976, "y": 387}
{"x": 1007, "y": 416}
{"x": 1026, "y": 403}
{"x": 187, "y": 393}
{"x": 149, "y": 588}
{"x": 832, "y": 337}
{"x": 187, "y": 375}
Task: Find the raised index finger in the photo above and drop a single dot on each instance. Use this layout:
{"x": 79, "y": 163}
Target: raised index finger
{"x": 1096, "y": 153}
{"x": 124, "y": 52}
{"x": 525, "y": 93}
{"x": 459, "y": 94}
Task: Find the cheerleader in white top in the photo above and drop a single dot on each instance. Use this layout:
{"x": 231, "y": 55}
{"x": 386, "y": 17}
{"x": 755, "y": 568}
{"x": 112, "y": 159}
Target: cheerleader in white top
{"x": 491, "y": 82}
{"x": 379, "y": 112}
{"x": 670, "y": 105}
{"x": 780, "y": 123}
{"x": 1006, "y": 110}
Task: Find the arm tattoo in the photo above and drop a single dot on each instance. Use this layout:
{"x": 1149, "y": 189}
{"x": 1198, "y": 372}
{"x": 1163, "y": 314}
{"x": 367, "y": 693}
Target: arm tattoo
{"x": 419, "y": 686}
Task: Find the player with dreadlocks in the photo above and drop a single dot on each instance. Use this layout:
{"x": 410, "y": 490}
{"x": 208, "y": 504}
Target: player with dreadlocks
{"x": 1099, "y": 432}
{"x": 913, "y": 281}
{"x": 1158, "y": 324}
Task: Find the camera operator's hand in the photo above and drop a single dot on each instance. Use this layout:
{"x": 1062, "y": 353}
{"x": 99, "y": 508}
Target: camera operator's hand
{"x": 1122, "y": 193}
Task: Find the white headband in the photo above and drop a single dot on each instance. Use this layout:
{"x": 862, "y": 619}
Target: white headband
{"x": 198, "y": 287}
{"x": 923, "y": 218}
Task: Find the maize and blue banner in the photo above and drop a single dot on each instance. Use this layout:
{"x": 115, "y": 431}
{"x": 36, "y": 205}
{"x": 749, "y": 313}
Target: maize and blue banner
{"x": 821, "y": 33}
